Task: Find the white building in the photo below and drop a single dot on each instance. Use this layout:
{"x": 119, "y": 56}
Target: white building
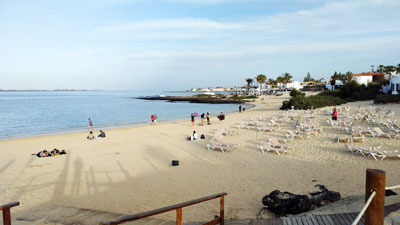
{"x": 333, "y": 87}
{"x": 294, "y": 85}
{"x": 394, "y": 85}
{"x": 365, "y": 78}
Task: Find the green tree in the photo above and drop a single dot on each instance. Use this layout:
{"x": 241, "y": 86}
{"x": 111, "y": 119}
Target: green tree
{"x": 261, "y": 78}
{"x": 398, "y": 68}
{"x": 348, "y": 77}
{"x": 334, "y": 77}
{"x": 381, "y": 68}
{"x": 271, "y": 82}
{"x": 249, "y": 81}
{"x": 308, "y": 78}
{"x": 280, "y": 80}
{"x": 287, "y": 77}
{"x": 389, "y": 69}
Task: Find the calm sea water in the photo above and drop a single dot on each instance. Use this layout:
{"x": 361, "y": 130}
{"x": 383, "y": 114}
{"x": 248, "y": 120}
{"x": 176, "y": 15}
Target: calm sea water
{"x": 42, "y": 112}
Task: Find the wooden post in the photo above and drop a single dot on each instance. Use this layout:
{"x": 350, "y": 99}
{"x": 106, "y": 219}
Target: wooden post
{"x": 179, "y": 216}
{"x": 6, "y": 216}
{"x": 221, "y": 211}
{"x": 375, "y": 180}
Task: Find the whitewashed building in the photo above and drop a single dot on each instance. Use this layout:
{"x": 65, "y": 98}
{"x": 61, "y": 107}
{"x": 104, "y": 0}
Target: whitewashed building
{"x": 394, "y": 85}
{"x": 365, "y": 78}
{"x": 329, "y": 86}
{"x": 294, "y": 85}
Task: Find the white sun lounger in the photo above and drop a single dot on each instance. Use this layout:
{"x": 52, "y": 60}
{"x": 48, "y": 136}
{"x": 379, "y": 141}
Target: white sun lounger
{"x": 275, "y": 143}
{"x": 380, "y": 133}
{"x": 268, "y": 148}
{"x": 213, "y": 144}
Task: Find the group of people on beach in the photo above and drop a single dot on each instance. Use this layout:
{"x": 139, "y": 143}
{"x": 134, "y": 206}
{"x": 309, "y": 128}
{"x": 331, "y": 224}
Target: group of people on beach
{"x": 240, "y": 108}
{"x": 53, "y": 152}
{"x": 91, "y": 135}
{"x": 202, "y": 116}
{"x": 91, "y": 130}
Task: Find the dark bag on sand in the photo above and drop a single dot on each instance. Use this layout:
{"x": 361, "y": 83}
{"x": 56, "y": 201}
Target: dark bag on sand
{"x": 202, "y": 136}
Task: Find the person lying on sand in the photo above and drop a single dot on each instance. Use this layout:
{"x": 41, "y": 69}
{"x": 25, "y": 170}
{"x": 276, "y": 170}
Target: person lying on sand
{"x": 43, "y": 153}
{"x": 54, "y": 152}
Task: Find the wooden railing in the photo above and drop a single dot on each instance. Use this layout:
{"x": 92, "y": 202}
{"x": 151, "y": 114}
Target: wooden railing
{"x": 6, "y": 212}
{"x": 178, "y": 207}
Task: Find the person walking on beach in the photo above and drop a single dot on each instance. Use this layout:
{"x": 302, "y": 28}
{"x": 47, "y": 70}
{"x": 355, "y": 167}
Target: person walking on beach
{"x": 334, "y": 114}
{"x": 240, "y": 108}
{"x": 90, "y": 125}
{"x": 244, "y": 109}
{"x": 192, "y": 117}
{"x": 152, "y": 119}
{"x": 202, "y": 119}
{"x": 155, "y": 118}
{"x": 208, "y": 119}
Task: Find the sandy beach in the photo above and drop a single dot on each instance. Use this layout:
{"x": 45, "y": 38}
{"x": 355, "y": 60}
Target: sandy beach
{"x": 130, "y": 170}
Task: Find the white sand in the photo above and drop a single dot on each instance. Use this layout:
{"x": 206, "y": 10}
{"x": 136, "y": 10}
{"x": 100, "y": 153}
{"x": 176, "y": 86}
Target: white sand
{"x": 130, "y": 171}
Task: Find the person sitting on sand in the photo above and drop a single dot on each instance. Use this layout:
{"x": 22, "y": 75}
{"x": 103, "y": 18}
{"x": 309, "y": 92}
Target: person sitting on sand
{"x": 221, "y": 116}
{"x": 90, "y": 136}
{"x": 193, "y": 137}
{"x": 102, "y": 134}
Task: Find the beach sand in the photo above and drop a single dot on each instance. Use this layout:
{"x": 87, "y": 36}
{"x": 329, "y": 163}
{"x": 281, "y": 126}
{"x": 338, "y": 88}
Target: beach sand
{"x": 130, "y": 170}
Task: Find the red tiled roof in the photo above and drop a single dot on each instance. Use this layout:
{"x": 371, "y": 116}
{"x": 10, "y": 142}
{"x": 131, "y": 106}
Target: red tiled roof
{"x": 368, "y": 74}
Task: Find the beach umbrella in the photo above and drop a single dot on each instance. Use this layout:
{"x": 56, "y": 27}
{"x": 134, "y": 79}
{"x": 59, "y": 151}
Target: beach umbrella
{"x": 195, "y": 114}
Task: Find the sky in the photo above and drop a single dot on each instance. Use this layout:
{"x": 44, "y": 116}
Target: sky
{"x": 183, "y": 44}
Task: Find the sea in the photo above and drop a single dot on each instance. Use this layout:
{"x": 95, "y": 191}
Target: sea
{"x": 35, "y": 113}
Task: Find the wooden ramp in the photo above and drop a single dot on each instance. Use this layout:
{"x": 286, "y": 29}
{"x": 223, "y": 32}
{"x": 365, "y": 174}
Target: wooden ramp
{"x": 61, "y": 215}
{"x": 329, "y": 219}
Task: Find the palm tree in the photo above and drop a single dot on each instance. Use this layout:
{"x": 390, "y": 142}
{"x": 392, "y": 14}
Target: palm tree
{"x": 381, "y": 68}
{"x": 389, "y": 69}
{"x": 271, "y": 82}
{"x": 249, "y": 82}
{"x": 287, "y": 77}
{"x": 261, "y": 78}
{"x": 334, "y": 77}
{"x": 348, "y": 77}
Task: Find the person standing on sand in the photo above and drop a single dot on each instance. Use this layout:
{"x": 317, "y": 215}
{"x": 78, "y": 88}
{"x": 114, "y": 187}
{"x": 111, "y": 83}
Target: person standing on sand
{"x": 208, "y": 119}
{"x": 202, "y": 119}
{"x": 90, "y": 125}
{"x": 192, "y": 117}
{"x": 155, "y": 118}
{"x": 152, "y": 119}
{"x": 244, "y": 109}
{"x": 334, "y": 114}
{"x": 240, "y": 108}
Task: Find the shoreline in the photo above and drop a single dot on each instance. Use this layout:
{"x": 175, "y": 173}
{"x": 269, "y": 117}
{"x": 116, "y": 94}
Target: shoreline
{"x": 249, "y": 106}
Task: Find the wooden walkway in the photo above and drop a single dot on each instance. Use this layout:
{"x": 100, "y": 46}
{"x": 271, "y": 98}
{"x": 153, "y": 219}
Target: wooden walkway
{"x": 329, "y": 219}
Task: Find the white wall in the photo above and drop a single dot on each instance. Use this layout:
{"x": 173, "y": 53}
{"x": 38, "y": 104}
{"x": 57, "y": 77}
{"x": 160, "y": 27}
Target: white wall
{"x": 363, "y": 79}
{"x": 395, "y": 84}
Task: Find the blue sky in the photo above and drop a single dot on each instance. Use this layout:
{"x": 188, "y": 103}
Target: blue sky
{"x": 182, "y": 44}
